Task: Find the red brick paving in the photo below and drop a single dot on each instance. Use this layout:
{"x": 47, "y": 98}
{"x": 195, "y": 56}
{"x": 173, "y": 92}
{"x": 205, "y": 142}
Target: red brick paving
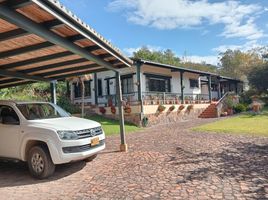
{"x": 164, "y": 162}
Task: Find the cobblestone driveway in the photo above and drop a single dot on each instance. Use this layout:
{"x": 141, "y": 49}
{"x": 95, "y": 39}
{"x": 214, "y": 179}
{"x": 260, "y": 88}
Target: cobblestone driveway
{"x": 164, "y": 162}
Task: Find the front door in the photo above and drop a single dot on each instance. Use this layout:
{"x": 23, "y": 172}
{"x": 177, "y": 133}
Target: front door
{"x": 9, "y": 133}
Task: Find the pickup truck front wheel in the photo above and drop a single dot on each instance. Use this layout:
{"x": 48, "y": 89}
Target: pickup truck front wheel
{"x": 40, "y": 163}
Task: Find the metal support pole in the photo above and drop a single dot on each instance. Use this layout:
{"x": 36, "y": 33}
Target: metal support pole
{"x": 219, "y": 89}
{"x": 123, "y": 145}
{"x": 182, "y": 87}
{"x": 209, "y": 88}
{"x": 68, "y": 92}
{"x": 53, "y": 92}
{"x": 96, "y": 88}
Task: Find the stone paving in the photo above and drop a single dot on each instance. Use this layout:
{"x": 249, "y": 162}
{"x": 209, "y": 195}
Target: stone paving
{"x": 164, "y": 162}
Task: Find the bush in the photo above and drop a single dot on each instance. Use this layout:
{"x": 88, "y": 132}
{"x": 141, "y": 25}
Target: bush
{"x": 240, "y": 108}
{"x": 161, "y": 108}
{"x": 66, "y": 104}
{"x": 246, "y": 97}
{"x": 229, "y": 102}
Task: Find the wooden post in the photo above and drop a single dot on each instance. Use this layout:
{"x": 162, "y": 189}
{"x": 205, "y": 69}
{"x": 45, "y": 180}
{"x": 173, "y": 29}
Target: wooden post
{"x": 53, "y": 92}
{"x": 219, "y": 88}
{"x": 139, "y": 85}
{"x": 209, "y": 88}
{"x": 182, "y": 87}
{"x": 123, "y": 145}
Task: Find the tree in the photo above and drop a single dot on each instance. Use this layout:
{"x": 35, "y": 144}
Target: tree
{"x": 238, "y": 64}
{"x": 258, "y": 78}
{"x": 169, "y": 57}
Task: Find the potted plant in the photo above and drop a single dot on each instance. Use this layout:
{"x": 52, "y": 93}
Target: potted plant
{"x": 161, "y": 108}
{"x": 102, "y": 110}
{"x": 127, "y": 109}
{"x": 186, "y": 100}
{"x": 113, "y": 109}
{"x": 181, "y": 107}
{"x": 190, "y": 107}
{"x": 230, "y": 104}
{"x": 171, "y": 108}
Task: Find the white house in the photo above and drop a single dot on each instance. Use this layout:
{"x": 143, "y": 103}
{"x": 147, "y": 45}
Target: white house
{"x": 154, "y": 83}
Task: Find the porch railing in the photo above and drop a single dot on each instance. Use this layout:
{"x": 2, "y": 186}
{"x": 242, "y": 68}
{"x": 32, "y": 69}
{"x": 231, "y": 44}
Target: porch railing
{"x": 155, "y": 98}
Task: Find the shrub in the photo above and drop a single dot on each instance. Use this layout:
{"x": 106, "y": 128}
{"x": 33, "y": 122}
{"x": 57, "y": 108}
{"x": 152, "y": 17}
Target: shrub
{"x": 171, "y": 108}
{"x": 240, "y": 108}
{"x": 229, "y": 102}
{"x": 127, "y": 109}
{"x": 102, "y": 110}
{"x": 161, "y": 108}
{"x": 113, "y": 109}
{"x": 181, "y": 107}
{"x": 246, "y": 97}
{"x": 66, "y": 104}
{"x": 190, "y": 107}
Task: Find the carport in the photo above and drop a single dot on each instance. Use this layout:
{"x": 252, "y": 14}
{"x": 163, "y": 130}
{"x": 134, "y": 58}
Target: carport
{"x": 40, "y": 40}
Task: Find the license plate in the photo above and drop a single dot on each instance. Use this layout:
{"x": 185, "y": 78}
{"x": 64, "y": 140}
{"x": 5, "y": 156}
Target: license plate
{"x": 95, "y": 141}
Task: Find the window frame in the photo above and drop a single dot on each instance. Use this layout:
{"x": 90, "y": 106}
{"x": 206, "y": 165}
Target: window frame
{"x": 196, "y": 83}
{"x": 130, "y": 84}
{"x": 167, "y": 80}
{"x": 18, "y": 116}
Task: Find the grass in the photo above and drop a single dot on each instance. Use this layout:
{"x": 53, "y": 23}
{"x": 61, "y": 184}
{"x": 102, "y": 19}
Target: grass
{"x": 112, "y": 126}
{"x": 244, "y": 124}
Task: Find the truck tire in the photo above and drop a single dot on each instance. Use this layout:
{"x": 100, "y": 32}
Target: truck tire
{"x": 39, "y": 162}
{"x": 91, "y": 158}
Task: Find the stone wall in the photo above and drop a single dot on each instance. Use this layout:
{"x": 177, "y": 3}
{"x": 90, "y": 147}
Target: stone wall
{"x": 169, "y": 117}
{"x": 154, "y": 117}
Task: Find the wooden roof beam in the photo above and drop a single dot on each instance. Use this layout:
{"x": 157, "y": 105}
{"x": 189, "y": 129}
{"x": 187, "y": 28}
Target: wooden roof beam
{"x": 20, "y": 32}
{"x": 35, "y": 28}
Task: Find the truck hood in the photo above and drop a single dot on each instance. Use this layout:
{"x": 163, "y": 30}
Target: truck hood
{"x": 65, "y": 124}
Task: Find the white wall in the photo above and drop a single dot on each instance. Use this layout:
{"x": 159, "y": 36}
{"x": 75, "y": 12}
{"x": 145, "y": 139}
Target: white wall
{"x": 175, "y": 82}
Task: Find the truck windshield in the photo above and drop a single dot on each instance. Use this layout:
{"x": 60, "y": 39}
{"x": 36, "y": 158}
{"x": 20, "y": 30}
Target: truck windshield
{"x": 37, "y": 111}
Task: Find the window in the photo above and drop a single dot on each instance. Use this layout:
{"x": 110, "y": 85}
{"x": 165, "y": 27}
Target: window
{"x": 127, "y": 84}
{"x": 99, "y": 87}
{"x": 108, "y": 86}
{"x": 8, "y": 115}
{"x": 78, "y": 89}
{"x": 194, "y": 83}
{"x": 155, "y": 83}
{"x": 35, "y": 111}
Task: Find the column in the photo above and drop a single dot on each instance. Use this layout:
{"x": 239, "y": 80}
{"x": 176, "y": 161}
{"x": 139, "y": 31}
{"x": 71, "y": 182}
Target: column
{"x": 123, "y": 145}
{"x": 53, "y": 92}
{"x": 96, "y": 88}
{"x": 182, "y": 86}
{"x": 209, "y": 88}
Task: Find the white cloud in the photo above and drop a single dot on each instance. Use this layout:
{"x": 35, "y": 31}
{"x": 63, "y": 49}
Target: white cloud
{"x": 237, "y": 18}
{"x": 213, "y": 60}
{"x": 244, "y": 47}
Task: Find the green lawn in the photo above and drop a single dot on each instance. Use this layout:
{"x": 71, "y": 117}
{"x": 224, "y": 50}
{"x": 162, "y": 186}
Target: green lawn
{"x": 112, "y": 126}
{"x": 249, "y": 124}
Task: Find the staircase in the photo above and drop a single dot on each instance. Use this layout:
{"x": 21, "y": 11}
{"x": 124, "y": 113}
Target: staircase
{"x": 210, "y": 111}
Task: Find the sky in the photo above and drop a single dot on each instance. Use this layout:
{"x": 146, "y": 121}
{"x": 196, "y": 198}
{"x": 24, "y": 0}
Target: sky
{"x": 196, "y": 30}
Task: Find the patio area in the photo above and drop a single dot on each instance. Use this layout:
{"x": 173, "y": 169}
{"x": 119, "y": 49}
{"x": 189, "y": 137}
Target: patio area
{"x": 164, "y": 162}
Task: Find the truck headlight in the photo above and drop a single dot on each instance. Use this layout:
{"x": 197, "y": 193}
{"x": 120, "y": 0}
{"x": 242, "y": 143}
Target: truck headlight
{"x": 67, "y": 135}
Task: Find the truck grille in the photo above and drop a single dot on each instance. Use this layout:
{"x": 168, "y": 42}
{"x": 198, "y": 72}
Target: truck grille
{"x": 79, "y": 149}
{"x": 89, "y": 132}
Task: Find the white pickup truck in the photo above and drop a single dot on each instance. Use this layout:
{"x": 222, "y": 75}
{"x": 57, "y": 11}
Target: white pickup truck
{"x": 43, "y": 135}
